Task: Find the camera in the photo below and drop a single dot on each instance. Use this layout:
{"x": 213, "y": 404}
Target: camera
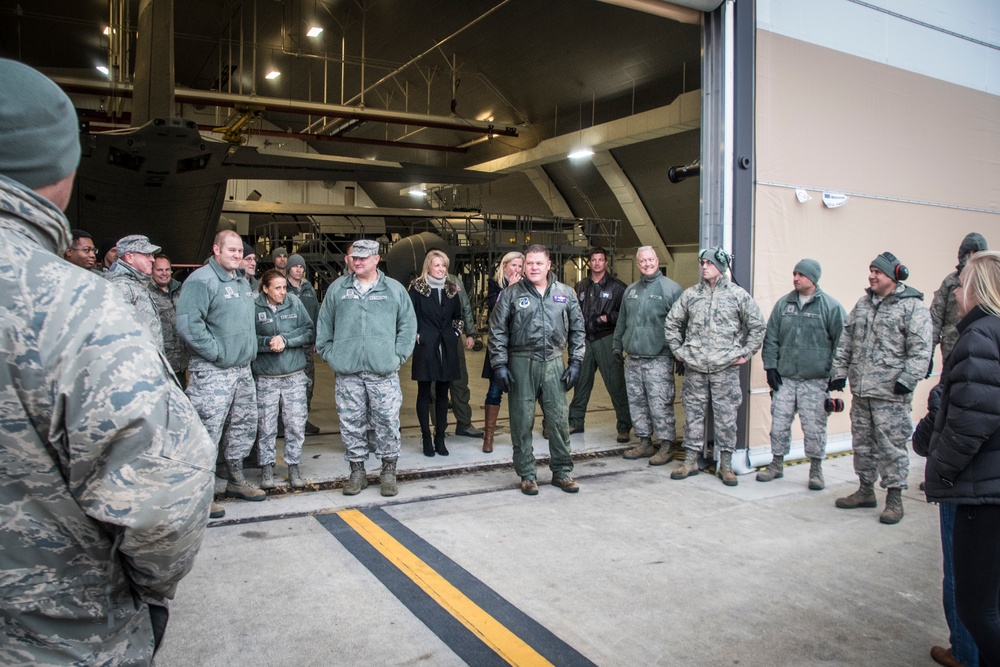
{"x": 834, "y": 405}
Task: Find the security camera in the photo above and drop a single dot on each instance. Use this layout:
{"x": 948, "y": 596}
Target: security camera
{"x": 679, "y": 173}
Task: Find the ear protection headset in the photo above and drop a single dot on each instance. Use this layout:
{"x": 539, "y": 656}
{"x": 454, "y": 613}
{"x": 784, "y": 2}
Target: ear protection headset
{"x": 721, "y": 256}
{"x": 900, "y": 271}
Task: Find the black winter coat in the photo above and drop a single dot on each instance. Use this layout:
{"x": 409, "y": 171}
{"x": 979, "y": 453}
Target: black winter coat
{"x": 439, "y": 314}
{"x": 963, "y": 461}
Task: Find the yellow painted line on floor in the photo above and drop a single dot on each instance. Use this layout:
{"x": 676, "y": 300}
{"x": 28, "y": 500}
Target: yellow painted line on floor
{"x": 494, "y": 634}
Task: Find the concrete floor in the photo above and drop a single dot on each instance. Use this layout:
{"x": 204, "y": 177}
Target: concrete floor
{"x": 636, "y": 569}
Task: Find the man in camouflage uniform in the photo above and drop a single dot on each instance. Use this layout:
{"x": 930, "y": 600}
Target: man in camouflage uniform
{"x": 600, "y": 296}
{"x": 944, "y": 308}
{"x": 215, "y": 317}
{"x": 105, "y": 477}
{"x": 131, "y": 275}
{"x": 649, "y": 366}
{"x": 532, "y": 323}
{"x": 802, "y": 335}
{"x": 166, "y": 290}
{"x": 298, "y": 285}
{"x": 367, "y": 330}
{"x": 713, "y": 329}
{"x": 884, "y": 351}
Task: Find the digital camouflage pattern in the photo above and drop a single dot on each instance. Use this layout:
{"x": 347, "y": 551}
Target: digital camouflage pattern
{"x": 106, "y": 471}
{"x": 711, "y": 328}
{"x": 944, "y": 316}
{"x": 369, "y": 400}
{"x": 287, "y": 394}
{"x": 136, "y": 288}
{"x": 226, "y": 394}
{"x": 722, "y": 388}
{"x": 650, "y": 384}
{"x": 166, "y": 307}
{"x": 807, "y": 398}
{"x": 879, "y": 430}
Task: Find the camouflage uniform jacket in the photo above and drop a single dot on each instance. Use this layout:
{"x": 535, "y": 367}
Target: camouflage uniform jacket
{"x": 166, "y": 305}
{"x": 884, "y": 344}
{"x": 215, "y": 317}
{"x": 525, "y": 323}
{"x": 291, "y": 321}
{"x": 359, "y": 332}
{"x": 107, "y": 472}
{"x": 711, "y": 328}
{"x": 944, "y": 316}
{"x": 641, "y": 319}
{"x": 135, "y": 287}
{"x": 469, "y": 326}
{"x": 801, "y": 340}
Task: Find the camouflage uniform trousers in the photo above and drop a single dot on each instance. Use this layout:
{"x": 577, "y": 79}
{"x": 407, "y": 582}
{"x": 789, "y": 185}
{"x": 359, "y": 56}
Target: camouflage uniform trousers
{"x": 287, "y": 393}
{"x": 310, "y": 370}
{"x": 807, "y": 397}
{"x": 723, "y": 390}
{"x": 650, "y": 385}
{"x": 226, "y": 393}
{"x": 366, "y": 401}
{"x": 536, "y": 381}
{"x": 880, "y": 430}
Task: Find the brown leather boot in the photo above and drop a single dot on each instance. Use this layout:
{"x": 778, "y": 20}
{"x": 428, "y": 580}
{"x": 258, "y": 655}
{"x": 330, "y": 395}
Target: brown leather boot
{"x": 492, "y": 412}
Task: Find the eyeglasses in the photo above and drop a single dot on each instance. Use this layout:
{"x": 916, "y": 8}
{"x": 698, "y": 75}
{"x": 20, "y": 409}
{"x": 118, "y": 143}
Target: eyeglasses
{"x": 87, "y": 250}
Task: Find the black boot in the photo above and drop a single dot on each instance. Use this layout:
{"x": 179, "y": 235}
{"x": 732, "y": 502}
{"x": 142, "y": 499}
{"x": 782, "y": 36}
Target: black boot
{"x": 439, "y": 444}
{"x": 428, "y": 445}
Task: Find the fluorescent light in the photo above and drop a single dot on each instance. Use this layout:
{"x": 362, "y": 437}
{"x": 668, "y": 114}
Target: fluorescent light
{"x": 107, "y": 30}
{"x": 417, "y": 192}
{"x": 580, "y": 153}
{"x": 273, "y": 74}
{"x": 102, "y": 69}
{"x": 314, "y": 32}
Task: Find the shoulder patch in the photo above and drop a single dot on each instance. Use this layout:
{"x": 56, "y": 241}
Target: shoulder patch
{"x": 523, "y": 302}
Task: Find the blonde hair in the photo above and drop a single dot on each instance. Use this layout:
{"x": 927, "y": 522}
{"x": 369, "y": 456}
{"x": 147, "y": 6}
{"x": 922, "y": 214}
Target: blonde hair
{"x": 981, "y": 281}
{"x": 507, "y": 259}
{"x": 429, "y": 257}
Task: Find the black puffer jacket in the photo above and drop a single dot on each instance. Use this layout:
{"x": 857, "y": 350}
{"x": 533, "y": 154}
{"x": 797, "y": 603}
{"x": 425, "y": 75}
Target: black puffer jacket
{"x": 963, "y": 461}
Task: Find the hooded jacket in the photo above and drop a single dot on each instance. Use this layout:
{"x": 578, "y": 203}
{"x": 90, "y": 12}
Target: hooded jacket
{"x": 107, "y": 472}
{"x": 135, "y": 287}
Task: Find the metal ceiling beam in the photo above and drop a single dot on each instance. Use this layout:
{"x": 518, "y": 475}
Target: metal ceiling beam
{"x": 212, "y": 98}
{"x": 549, "y": 192}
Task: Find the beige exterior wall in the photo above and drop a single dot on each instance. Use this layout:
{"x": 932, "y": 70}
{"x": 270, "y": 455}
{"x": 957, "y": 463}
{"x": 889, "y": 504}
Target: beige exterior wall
{"x": 919, "y": 157}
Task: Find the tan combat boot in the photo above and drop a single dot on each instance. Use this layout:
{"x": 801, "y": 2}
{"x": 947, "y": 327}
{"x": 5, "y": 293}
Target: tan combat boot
{"x": 239, "y": 487}
{"x": 668, "y": 448}
{"x": 688, "y": 467}
{"x": 816, "y": 481}
{"x": 643, "y": 450}
{"x": 726, "y": 470}
{"x": 893, "y": 511}
{"x": 774, "y": 470}
{"x": 863, "y": 497}
{"x": 358, "y": 479}
{"x": 267, "y": 476}
{"x": 387, "y": 478}
{"x": 295, "y": 477}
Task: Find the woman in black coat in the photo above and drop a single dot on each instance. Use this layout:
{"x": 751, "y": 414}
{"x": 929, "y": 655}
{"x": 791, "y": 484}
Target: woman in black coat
{"x": 435, "y": 357}
{"x": 963, "y": 461}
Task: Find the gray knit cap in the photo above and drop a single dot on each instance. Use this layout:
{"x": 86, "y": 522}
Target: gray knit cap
{"x": 296, "y": 260}
{"x": 972, "y": 243}
{"x": 717, "y": 256}
{"x": 886, "y": 263}
{"x": 810, "y": 268}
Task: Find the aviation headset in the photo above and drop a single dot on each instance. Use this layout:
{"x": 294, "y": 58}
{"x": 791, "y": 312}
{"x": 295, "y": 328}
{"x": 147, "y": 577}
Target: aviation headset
{"x": 717, "y": 256}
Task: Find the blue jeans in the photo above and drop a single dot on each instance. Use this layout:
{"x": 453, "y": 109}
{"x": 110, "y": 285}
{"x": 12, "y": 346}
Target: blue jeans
{"x": 494, "y": 394}
{"x": 962, "y": 645}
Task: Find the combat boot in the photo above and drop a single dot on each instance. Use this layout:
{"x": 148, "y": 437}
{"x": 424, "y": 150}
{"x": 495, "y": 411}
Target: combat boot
{"x": 492, "y": 412}
{"x": 239, "y": 487}
{"x": 217, "y": 511}
{"x": 643, "y": 450}
{"x": 863, "y": 497}
{"x": 358, "y": 479}
{"x": 893, "y": 511}
{"x": 294, "y": 477}
{"x": 388, "y": 477}
{"x": 774, "y": 470}
{"x": 688, "y": 467}
{"x": 816, "y": 481}
{"x": 267, "y": 476}
{"x": 666, "y": 453}
{"x": 726, "y": 470}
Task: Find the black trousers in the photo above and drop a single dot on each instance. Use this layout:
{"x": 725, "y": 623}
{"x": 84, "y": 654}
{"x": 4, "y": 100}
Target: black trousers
{"x": 977, "y": 577}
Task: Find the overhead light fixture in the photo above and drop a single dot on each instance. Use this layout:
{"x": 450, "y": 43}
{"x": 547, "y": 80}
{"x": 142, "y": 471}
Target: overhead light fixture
{"x": 273, "y": 74}
{"x": 314, "y": 32}
{"x": 417, "y": 192}
{"x": 107, "y": 30}
{"x": 102, "y": 69}
{"x": 580, "y": 153}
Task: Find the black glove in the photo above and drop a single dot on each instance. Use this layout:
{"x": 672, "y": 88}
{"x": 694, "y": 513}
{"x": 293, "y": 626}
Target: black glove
{"x": 930, "y": 368}
{"x": 901, "y": 389}
{"x": 837, "y": 385}
{"x": 571, "y": 375}
{"x": 773, "y": 379}
{"x": 619, "y": 357}
{"x": 503, "y": 378}
{"x": 678, "y": 367}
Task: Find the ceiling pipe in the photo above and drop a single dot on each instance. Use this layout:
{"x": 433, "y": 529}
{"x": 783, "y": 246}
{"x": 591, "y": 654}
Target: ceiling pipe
{"x": 209, "y": 98}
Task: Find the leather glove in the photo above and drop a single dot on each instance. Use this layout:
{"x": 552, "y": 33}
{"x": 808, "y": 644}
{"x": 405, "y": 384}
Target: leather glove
{"x": 503, "y": 378}
{"x": 679, "y": 367}
{"x": 930, "y": 368}
{"x": 619, "y": 356}
{"x": 571, "y": 375}
{"x": 901, "y": 389}
{"x": 837, "y": 385}
{"x": 773, "y": 379}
